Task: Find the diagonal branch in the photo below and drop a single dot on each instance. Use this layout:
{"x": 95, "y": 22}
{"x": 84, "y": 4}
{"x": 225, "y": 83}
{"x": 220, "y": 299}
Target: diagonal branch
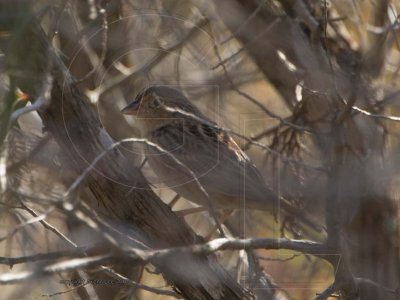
{"x": 80, "y": 134}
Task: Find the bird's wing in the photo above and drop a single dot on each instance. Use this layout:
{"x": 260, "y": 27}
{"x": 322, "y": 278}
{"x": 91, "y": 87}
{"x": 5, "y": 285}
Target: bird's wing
{"x": 220, "y": 166}
{"x": 217, "y": 161}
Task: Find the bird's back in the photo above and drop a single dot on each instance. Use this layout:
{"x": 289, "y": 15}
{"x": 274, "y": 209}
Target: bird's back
{"x": 216, "y": 161}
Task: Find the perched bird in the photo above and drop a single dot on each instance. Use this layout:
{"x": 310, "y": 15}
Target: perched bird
{"x": 165, "y": 117}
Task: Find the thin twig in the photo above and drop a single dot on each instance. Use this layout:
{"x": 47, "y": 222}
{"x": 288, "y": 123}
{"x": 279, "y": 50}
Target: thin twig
{"x": 83, "y": 175}
{"x": 378, "y": 116}
{"x": 100, "y": 60}
{"x": 253, "y": 100}
{"x": 246, "y": 22}
{"x": 116, "y": 80}
{"x": 64, "y": 266}
{"x": 48, "y": 226}
{"x": 39, "y": 103}
{"x": 11, "y": 261}
{"x": 144, "y": 287}
{"x": 213, "y": 125}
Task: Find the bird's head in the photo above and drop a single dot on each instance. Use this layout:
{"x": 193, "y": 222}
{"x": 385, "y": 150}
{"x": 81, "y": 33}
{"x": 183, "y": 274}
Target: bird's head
{"x": 154, "y": 100}
{"x": 157, "y": 105}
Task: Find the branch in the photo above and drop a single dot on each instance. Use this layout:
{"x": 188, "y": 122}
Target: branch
{"x": 11, "y": 261}
{"x": 127, "y": 197}
{"x": 69, "y": 265}
{"x": 132, "y": 73}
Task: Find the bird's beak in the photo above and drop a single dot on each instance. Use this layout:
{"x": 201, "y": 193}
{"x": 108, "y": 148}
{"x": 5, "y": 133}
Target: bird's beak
{"x": 132, "y": 108}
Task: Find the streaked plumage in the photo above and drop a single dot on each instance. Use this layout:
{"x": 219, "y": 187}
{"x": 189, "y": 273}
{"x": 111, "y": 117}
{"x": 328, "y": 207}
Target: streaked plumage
{"x": 167, "y": 118}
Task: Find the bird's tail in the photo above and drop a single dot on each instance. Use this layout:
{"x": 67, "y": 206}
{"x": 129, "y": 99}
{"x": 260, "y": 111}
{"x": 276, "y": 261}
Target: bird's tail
{"x": 286, "y": 209}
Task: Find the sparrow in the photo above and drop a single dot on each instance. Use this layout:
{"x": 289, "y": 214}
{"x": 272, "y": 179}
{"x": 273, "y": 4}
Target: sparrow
{"x": 194, "y": 151}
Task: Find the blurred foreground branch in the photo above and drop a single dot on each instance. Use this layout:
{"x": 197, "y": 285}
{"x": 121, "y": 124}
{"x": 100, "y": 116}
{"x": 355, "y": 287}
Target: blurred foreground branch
{"x": 115, "y": 183}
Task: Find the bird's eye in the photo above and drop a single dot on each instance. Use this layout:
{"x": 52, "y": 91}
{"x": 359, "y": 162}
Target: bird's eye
{"x": 156, "y": 103}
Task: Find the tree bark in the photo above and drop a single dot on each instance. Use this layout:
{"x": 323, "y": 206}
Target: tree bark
{"x": 350, "y": 144}
{"x": 120, "y": 188}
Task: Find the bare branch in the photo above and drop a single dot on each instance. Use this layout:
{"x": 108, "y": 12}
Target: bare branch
{"x": 69, "y": 265}
{"x": 11, "y": 261}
